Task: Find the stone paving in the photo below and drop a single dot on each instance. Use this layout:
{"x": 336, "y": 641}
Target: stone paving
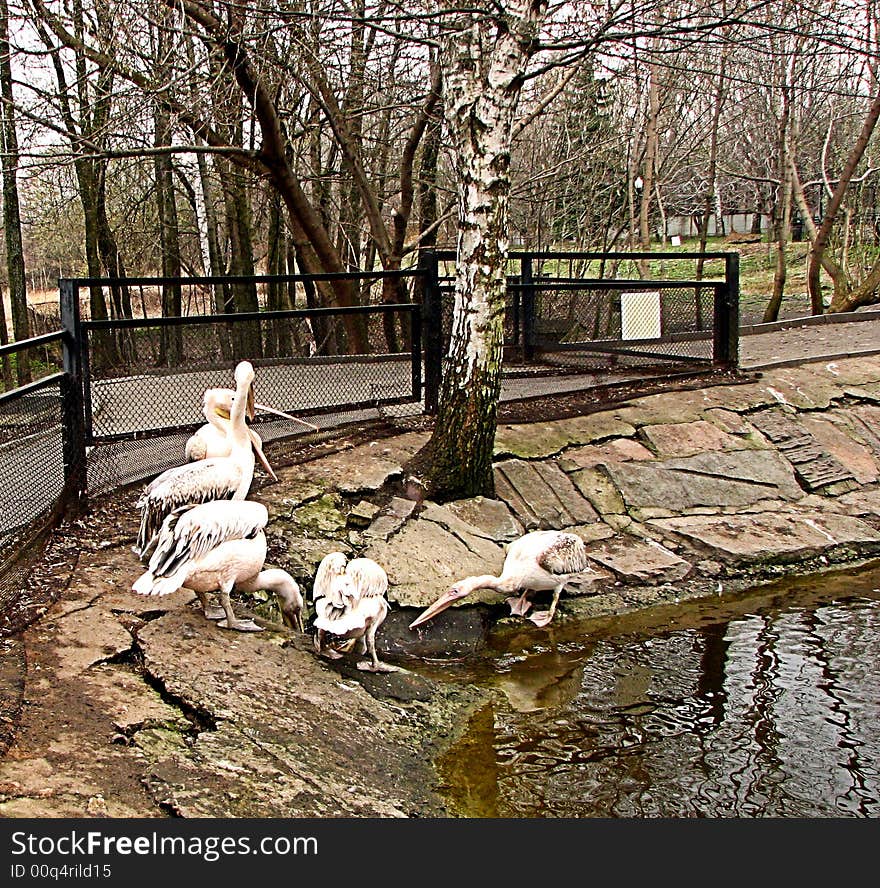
{"x": 116, "y": 706}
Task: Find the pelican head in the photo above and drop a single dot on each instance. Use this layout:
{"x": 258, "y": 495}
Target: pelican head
{"x": 454, "y": 593}
{"x": 244, "y": 373}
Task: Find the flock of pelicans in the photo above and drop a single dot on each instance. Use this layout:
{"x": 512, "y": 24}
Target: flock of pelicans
{"x": 198, "y": 531}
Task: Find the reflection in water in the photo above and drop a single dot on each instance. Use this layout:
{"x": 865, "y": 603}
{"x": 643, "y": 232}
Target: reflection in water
{"x": 765, "y": 706}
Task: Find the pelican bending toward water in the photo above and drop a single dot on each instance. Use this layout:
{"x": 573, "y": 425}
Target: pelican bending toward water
{"x": 350, "y": 606}
{"x": 212, "y": 439}
{"x": 537, "y": 561}
{"x": 216, "y": 547}
{"x": 215, "y": 478}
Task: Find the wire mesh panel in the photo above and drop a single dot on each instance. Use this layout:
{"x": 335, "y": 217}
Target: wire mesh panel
{"x": 632, "y": 323}
{"x": 32, "y": 476}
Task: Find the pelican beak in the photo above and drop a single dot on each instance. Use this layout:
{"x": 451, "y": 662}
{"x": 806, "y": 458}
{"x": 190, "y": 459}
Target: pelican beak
{"x": 444, "y": 601}
{"x": 250, "y": 403}
{"x": 222, "y": 412}
{"x": 284, "y": 415}
{"x": 258, "y": 449}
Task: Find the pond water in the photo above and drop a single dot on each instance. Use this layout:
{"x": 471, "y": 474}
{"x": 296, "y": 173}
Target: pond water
{"x": 765, "y": 704}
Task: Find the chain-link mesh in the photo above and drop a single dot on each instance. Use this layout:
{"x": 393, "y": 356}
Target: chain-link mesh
{"x": 150, "y": 379}
{"x": 32, "y": 477}
{"x": 636, "y": 325}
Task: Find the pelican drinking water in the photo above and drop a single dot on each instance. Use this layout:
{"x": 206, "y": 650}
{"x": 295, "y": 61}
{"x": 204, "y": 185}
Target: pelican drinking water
{"x": 217, "y": 547}
{"x": 538, "y": 561}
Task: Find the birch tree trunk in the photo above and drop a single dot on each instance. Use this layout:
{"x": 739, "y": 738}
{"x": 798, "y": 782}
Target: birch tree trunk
{"x": 483, "y": 62}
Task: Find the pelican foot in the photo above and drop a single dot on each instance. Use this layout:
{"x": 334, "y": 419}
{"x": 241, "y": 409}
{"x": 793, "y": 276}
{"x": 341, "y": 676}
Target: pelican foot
{"x": 541, "y": 618}
{"x": 367, "y": 666}
{"x": 519, "y": 606}
{"x": 214, "y": 613}
{"x": 240, "y": 625}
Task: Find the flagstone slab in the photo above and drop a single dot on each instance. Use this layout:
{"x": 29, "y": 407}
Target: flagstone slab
{"x": 861, "y": 503}
{"x": 816, "y": 469}
{"x": 491, "y": 516}
{"x": 577, "y": 510}
{"x": 599, "y": 489}
{"x": 635, "y": 560}
{"x": 477, "y": 541}
{"x": 729, "y": 421}
{"x": 765, "y": 468}
{"x": 861, "y": 370}
{"x": 424, "y": 559}
{"x": 360, "y": 469}
{"x": 688, "y": 406}
{"x": 687, "y": 438}
{"x": 616, "y": 450}
{"x": 541, "y": 495}
{"x": 684, "y": 488}
{"x": 865, "y": 424}
{"x": 851, "y": 454}
{"x": 771, "y": 536}
{"x": 545, "y": 439}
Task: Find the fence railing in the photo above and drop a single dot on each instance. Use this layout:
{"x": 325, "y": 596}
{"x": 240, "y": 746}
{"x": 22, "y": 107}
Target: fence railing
{"x": 113, "y": 401}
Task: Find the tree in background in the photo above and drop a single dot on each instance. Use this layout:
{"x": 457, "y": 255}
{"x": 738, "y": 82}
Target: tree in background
{"x": 11, "y": 216}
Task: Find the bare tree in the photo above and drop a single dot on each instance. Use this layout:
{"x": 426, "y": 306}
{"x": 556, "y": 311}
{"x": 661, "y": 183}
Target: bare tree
{"x": 11, "y": 215}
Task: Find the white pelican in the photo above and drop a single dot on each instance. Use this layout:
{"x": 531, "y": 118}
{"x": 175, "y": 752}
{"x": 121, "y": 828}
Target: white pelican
{"x": 537, "y": 561}
{"x": 217, "y": 547}
{"x": 212, "y": 439}
{"x": 350, "y": 606}
{"x": 218, "y": 477}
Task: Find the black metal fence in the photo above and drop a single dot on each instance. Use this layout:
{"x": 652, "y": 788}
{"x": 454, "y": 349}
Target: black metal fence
{"x": 586, "y": 310}
{"x": 142, "y": 380}
{"x": 117, "y": 399}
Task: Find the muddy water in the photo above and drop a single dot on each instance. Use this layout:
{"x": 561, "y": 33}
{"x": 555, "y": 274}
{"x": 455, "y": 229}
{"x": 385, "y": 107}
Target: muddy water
{"x": 763, "y": 706}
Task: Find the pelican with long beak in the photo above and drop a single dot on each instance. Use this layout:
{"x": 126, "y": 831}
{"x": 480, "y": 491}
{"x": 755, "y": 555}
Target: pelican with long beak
{"x": 214, "y": 478}
{"x": 213, "y": 438}
{"x": 538, "y": 561}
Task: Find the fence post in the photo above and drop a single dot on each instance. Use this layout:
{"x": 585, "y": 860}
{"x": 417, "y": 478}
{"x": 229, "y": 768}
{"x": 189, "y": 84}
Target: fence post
{"x": 725, "y": 351}
{"x": 528, "y": 308}
{"x": 416, "y": 351}
{"x": 72, "y": 405}
{"x": 432, "y": 329}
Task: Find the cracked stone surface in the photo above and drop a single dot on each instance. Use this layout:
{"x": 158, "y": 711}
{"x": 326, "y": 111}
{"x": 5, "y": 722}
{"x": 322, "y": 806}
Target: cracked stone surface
{"x": 774, "y": 536}
{"x": 118, "y": 706}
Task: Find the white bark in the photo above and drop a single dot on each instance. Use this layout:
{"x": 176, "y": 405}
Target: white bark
{"x": 483, "y": 61}
{"x": 483, "y": 66}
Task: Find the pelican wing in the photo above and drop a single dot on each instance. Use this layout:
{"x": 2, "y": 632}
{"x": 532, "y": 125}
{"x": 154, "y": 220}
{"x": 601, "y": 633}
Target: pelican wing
{"x": 192, "y": 483}
{"x": 326, "y": 583}
{"x": 565, "y": 554}
{"x": 368, "y": 579}
{"x": 190, "y": 532}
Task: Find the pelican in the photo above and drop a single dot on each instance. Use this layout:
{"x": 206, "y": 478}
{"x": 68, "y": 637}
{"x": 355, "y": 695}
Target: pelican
{"x": 218, "y": 477}
{"x": 215, "y": 547}
{"x": 350, "y": 606}
{"x": 212, "y": 439}
{"x": 537, "y": 561}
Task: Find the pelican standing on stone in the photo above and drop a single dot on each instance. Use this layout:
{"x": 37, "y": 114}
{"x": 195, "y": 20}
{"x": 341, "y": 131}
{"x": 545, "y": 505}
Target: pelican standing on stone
{"x": 217, "y": 547}
{"x": 212, "y": 439}
{"x": 219, "y": 477}
{"x": 350, "y": 606}
{"x": 536, "y": 562}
